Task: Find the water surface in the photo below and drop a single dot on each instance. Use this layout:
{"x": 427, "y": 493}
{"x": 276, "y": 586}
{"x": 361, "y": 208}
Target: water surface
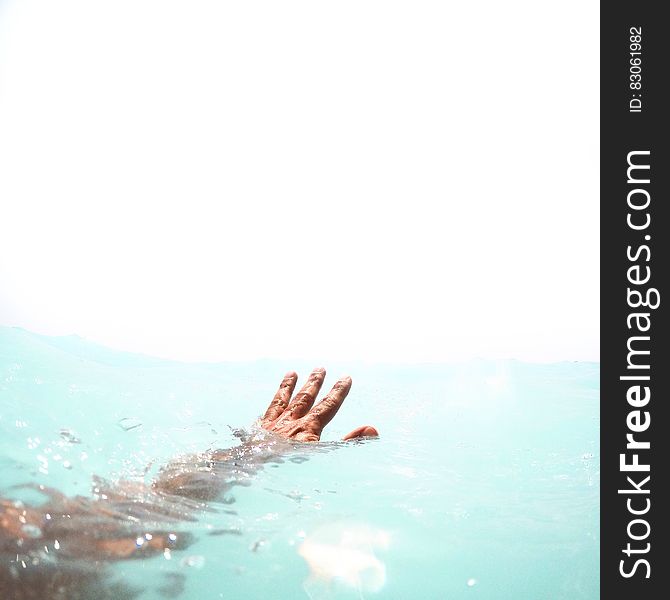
{"x": 484, "y": 483}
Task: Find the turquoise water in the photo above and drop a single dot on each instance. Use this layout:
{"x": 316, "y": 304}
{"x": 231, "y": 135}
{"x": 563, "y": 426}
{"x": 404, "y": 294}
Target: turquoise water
{"x": 484, "y": 483}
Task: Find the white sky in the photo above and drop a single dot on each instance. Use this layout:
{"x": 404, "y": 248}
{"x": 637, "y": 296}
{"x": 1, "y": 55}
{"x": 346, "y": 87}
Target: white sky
{"x": 367, "y": 180}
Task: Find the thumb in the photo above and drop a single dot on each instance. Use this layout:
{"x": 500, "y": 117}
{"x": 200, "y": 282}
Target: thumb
{"x": 362, "y": 431}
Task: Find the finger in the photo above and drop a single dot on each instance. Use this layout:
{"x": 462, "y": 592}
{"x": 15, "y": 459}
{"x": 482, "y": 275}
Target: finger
{"x": 362, "y": 431}
{"x": 282, "y": 397}
{"x": 325, "y": 410}
{"x": 304, "y": 399}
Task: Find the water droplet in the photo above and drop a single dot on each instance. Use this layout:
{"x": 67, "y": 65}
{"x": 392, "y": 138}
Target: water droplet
{"x": 67, "y": 464}
{"x": 257, "y": 545}
{"x": 167, "y": 554}
{"x": 472, "y": 582}
{"x": 57, "y": 545}
{"x": 172, "y": 537}
{"x": 139, "y": 541}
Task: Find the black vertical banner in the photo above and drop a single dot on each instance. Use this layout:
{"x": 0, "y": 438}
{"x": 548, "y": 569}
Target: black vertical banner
{"x": 635, "y": 359}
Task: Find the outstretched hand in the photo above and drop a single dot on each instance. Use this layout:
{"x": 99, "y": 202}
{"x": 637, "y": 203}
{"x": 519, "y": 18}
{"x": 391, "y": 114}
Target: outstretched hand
{"x": 299, "y": 419}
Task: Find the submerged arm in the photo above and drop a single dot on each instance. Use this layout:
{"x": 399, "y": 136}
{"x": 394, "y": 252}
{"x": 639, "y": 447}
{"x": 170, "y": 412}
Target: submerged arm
{"x": 132, "y": 521}
{"x": 296, "y": 418}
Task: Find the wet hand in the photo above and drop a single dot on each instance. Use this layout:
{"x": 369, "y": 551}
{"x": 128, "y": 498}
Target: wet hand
{"x": 299, "y": 418}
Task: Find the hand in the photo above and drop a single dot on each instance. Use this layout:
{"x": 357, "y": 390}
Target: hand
{"x": 299, "y": 419}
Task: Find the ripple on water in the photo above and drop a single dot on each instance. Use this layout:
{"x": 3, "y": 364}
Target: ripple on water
{"x": 128, "y": 423}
